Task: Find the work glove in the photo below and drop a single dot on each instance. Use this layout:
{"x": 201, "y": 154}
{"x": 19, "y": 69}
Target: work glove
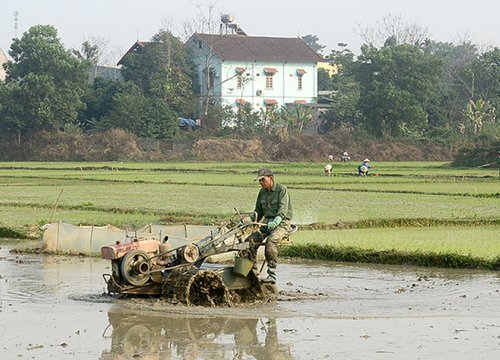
{"x": 273, "y": 224}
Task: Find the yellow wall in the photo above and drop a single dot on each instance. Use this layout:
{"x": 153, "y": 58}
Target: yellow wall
{"x": 331, "y": 69}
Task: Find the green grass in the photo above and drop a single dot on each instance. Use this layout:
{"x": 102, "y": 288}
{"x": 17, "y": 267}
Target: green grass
{"x": 345, "y": 181}
{"x": 310, "y": 206}
{"x": 390, "y": 256}
{"x": 412, "y": 209}
{"x": 482, "y": 242}
{"x": 455, "y": 247}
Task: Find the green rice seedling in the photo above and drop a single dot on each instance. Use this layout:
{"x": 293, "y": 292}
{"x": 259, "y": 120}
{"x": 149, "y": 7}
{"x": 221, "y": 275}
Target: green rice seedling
{"x": 483, "y": 241}
{"x": 396, "y": 217}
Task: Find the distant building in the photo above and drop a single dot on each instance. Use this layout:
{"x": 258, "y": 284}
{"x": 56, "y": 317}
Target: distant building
{"x": 106, "y": 72}
{"x": 329, "y": 68}
{"x": 137, "y": 47}
{"x": 3, "y": 60}
{"x": 261, "y": 71}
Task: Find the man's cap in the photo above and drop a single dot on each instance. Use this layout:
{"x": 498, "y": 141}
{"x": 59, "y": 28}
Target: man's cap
{"x": 263, "y": 172}
{"x": 366, "y": 160}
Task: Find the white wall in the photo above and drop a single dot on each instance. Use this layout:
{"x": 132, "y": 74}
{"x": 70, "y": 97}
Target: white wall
{"x": 3, "y": 59}
{"x": 285, "y": 80}
{"x": 285, "y": 83}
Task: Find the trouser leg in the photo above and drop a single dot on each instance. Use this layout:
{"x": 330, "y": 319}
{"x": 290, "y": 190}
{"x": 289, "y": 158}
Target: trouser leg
{"x": 271, "y": 249}
{"x": 255, "y": 239}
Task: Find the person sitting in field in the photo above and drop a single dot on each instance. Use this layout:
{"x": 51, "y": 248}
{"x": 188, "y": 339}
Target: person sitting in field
{"x": 345, "y": 157}
{"x": 364, "y": 168}
{"x": 328, "y": 169}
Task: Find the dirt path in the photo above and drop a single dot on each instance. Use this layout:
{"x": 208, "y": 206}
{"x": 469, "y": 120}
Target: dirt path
{"x": 53, "y": 307}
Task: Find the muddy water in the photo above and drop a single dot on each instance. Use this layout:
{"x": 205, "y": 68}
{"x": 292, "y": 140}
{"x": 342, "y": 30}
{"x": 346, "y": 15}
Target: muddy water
{"x": 54, "y": 307}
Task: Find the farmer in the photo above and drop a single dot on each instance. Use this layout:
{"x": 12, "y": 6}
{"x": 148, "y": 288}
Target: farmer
{"x": 345, "y": 157}
{"x": 328, "y": 169}
{"x": 273, "y": 207}
{"x": 364, "y": 168}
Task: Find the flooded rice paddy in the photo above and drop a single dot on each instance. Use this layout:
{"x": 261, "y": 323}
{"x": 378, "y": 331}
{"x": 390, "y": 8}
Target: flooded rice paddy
{"x": 55, "y": 307}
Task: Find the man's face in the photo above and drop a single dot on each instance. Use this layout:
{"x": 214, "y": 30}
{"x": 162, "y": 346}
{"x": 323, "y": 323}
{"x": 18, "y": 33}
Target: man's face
{"x": 266, "y": 182}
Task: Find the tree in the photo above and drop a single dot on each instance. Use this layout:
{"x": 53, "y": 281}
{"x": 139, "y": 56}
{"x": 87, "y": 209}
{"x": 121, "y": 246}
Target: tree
{"x": 89, "y": 52}
{"x": 44, "y": 83}
{"x": 247, "y": 121}
{"x": 345, "y": 94}
{"x": 97, "y": 50}
{"x": 468, "y": 76}
{"x": 162, "y": 69}
{"x": 345, "y": 113}
{"x": 218, "y": 115}
{"x": 394, "y": 30}
{"x": 447, "y": 112}
{"x": 143, "y": 116}
{"x": 341, "y": 59}
{"x": 479, "y": 113}
{"x": 484, "y": 77}
{"x": 296, "y": 117}
{"x": 313, "y": 42}
{"x": 101, "y": 100}
{"x": 399, "y": 84}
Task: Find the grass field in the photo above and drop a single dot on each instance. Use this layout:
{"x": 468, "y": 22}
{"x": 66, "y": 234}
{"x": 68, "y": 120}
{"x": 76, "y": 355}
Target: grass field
{"x": 411, "y": 207}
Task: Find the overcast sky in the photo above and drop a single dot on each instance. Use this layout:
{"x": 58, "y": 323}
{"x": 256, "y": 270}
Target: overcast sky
{"x": 122, "y": 22}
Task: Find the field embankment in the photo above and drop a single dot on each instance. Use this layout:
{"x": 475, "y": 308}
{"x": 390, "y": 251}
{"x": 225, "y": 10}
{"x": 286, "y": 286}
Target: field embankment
{"x": 118, "y": 145}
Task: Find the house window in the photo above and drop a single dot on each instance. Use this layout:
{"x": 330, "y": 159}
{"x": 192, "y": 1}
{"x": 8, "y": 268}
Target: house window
{"x": 300, "y": 73}
{"x": 269, "y": 77}
{"x": 211, "y": 79}
{"x": 209, "y": 74}
{"x": 269, "y": 82}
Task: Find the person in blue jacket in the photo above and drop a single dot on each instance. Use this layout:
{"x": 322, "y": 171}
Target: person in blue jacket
{"x": 364, "y": 168}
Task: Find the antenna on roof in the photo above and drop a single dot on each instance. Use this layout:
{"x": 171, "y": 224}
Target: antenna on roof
{"x": 16, "y": 16}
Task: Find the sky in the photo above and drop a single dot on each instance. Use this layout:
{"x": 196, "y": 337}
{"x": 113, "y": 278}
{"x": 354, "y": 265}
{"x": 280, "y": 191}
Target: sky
{"x": 117, "y": 24}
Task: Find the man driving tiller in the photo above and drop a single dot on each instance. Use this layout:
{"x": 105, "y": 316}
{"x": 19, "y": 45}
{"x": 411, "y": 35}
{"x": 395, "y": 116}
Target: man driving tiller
{"x": 273, "y": 208}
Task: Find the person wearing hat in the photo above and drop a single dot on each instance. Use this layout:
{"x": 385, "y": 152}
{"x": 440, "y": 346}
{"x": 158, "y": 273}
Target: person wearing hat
{"x": 345, "y": 157}
{"x": 328, "y": 169}
{"x": 364, "y": 167}
{"x": 273, "y": 208}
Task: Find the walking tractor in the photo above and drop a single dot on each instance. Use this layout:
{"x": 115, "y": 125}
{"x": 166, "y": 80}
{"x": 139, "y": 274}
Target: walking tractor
{"x": 154, "y": 267}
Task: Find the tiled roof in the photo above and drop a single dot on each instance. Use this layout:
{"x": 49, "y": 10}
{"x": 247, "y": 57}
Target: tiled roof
{"x": 257, "y": 48}
{"x": 137, "y": 45}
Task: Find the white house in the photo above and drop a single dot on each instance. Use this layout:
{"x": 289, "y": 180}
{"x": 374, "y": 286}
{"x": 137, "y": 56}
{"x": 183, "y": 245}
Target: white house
{"x": 3, "y": 60}
{"x": 261, "y": 71}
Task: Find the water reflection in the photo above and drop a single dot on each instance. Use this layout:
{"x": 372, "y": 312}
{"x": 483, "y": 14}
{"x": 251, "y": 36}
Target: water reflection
{"x": 152, "y": 336}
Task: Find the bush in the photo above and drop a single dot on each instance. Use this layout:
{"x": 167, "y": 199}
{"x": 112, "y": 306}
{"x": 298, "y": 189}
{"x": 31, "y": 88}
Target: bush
{"x": 483, "y": 154}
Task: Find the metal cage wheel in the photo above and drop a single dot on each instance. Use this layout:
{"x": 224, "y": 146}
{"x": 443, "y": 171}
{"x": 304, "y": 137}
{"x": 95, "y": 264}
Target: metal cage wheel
{"x": 135, "y": 267}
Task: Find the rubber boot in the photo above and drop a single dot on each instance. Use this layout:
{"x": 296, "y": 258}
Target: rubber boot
{"x": 271, "y": 276}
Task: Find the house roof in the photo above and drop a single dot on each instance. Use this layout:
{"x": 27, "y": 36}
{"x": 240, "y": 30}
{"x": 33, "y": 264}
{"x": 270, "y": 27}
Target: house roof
{"x": 139, "y": 44}
{"x": 257, "y": 48}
